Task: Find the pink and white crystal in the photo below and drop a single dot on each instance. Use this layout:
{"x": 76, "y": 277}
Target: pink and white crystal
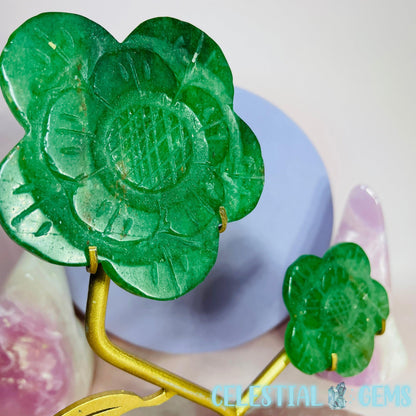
{"x": 45, "y": 362}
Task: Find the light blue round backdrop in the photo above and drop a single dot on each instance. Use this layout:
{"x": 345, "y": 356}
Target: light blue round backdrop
{"x": 241, "y": 297}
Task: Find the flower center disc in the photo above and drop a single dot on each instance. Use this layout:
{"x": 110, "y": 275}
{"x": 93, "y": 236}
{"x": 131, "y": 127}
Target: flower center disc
{"x": 338, "y": 311}
{"x": 148, "y": 143}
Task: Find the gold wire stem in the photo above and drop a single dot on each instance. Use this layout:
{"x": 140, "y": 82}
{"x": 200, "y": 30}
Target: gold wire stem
{"x": 334, "y": 362}
{"x": 265, "y": 378}
{"x": 104, "y": 348}
{"x": 383, "y": 327}
{"x": 116, "y": 403}
{"x": 93, "y": 266}
{"x": 119, "y": 402}
{"x": 224, "y": 219}
{"x": 170, "y": 383}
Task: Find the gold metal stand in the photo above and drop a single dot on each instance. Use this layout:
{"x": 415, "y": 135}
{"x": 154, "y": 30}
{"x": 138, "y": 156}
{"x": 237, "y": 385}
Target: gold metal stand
{"x": 117, "y": 403}
{"x": 104, "y": 348}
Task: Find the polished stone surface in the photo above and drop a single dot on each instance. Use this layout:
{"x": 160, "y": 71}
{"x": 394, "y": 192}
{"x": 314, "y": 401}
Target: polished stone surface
{"x": 335, "y": 307}
{"x": 131, "y": 147}
{"x": 45, "y": 361}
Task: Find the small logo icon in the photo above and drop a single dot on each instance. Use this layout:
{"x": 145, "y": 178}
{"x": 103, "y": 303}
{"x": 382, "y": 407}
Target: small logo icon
{"x": 336, "y": 396}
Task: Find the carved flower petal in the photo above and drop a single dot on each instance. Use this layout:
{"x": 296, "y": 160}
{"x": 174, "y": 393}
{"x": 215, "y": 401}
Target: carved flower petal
{"x": 111, "y": 216}
{"x": 355, "y": 351}
{"x": 198, "y": 209}
{"x": 140, "y": 70}
{"x": 311, "y": 310}
{"x": 191, "y": 54}
{"x": 351, "y": 257}
{"x": 70, "y": 133}
{"x": 217, "y": 120}
{"x": 298, "y": 278}
{"x": 307, "y": 349}
{"x": 65, "y": 46}
{"x": 379, "y": 303}
{"x": 334, "y": 276}
{"x": 243, "y": 175}
{"x": 169, "y": 265}
{"x": 23, "y": 217}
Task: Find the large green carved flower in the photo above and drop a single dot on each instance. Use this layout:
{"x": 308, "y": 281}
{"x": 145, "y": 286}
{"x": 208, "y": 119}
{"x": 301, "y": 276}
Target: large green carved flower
{"x": 334, "y": 307}
{"x": 129, "y": 147}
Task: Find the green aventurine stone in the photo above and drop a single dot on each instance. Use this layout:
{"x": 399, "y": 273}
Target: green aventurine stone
{"x": 131, "y": 147}
{"x": 334, "y": 307}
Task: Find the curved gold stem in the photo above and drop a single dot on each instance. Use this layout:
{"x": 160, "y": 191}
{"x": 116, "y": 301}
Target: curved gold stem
{"x": 99, "y": 342}
{"x": 118, "y": 403}
{"x": 265, "y": 378}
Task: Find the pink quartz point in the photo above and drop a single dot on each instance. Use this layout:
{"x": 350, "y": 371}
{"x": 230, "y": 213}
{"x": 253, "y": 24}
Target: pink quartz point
{"x": 363, "y": 223}
{"x": 45, "y": 362}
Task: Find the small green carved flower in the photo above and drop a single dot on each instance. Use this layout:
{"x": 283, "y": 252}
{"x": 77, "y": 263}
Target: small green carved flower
{"x": 334, "y": 307}
{"x": 131, "y": 147}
